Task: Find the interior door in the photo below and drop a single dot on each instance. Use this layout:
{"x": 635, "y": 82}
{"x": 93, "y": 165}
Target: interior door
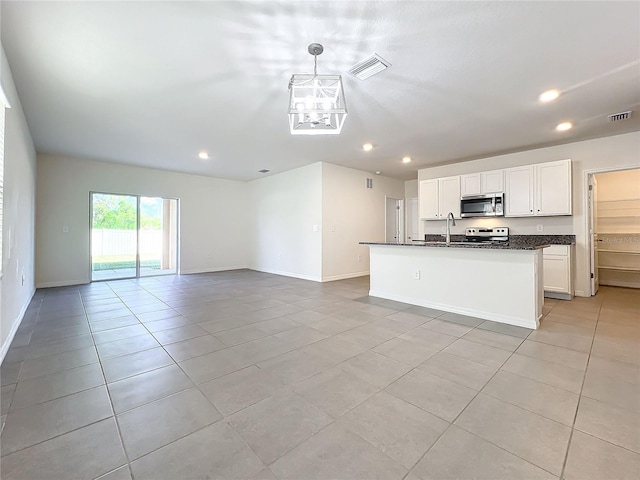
{"x": 412, "y": 219}
{"x": 114, "y": 236}
{"x": 593, "y": 232}
{"x": 392, "y": 220}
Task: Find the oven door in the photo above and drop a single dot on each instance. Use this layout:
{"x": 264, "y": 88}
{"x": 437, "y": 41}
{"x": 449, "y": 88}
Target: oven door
{"x": 478, "y": 206}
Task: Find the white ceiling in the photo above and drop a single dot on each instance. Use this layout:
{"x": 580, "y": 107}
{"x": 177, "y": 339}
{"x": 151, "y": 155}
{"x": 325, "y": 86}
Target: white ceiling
{"x": 153, "y": 83}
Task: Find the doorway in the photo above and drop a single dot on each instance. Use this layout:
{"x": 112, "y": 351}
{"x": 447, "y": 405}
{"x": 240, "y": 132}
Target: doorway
{"x": 614, "y": 228}
{"x": 412, "y": 223}
{"x": 133, "y": 236}
{"x": 394, "y": 220}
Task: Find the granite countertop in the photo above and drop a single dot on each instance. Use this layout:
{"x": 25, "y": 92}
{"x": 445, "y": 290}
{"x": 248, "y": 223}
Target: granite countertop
{"x": 516, "y": 242}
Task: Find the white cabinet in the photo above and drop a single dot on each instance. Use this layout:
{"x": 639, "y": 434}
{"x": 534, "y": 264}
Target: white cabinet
{"x": 481, "y": 183}
{"x": 438, "y": 197}
{"x": 428, "y": 194}
{"x": 449, "y": 196}
{"x": 470, "y": 184}
{"x": 543, "y": 189}
{"x": 553, "y": 188}
{"x": 493, "y": 181}
{"x": 558, "y": 272}
{"x": 519, "y": 191}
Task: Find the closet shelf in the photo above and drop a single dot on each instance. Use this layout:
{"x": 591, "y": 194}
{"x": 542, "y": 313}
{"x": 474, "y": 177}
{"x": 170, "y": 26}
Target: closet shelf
{"x": 624, "y": 252}
{"x": 619, "y": 269}
{"x": 620, "y": 201}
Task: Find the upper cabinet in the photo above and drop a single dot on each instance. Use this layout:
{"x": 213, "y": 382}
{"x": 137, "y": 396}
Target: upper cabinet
{"x": 543, "y": 189}
{"x": 493, "y": 181}
{"x": 428, "y": 195}
{"x": 519, "y": 191}
{"x": 438, "y": 197}
{"x": 553, "y": 188}
{"x": 481, "y": 183}
{"x": 470, "y": 184}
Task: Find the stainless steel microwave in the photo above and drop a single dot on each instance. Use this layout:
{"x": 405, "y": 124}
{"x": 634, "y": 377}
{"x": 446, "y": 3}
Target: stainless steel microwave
{"x": 491, "y": 205}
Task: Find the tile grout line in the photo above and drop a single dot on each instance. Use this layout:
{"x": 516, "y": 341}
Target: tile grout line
{"x": 575, "y": 416}
{"x": 115, "y": 417}
{"x": 464, "y": 409}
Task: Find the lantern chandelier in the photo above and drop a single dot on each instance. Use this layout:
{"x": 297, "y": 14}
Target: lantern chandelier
{"x": 316, "y": 102}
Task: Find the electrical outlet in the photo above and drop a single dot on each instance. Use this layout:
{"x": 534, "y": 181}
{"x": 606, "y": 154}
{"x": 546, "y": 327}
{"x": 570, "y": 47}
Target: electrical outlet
{"x": 315, "y": 228}
{"x": 333, "y": 228}
{"x": 539, "y": 228}
{"x": 416, "y": 275}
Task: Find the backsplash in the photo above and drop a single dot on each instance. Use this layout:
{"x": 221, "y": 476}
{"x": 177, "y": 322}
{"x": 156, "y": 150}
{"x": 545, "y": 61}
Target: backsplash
{"x": 517, "y": 226}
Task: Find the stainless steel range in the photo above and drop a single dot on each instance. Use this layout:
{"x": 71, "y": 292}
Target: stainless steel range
{"x": 498, "y": 235}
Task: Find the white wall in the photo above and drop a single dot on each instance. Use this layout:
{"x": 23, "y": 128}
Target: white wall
{"x": 352, "y": 213}
{"x": 411, "y": 189}
{"x": 620, "y": 151}
{"x": 284, "y": 209}
{"x": 214, "y": 232}
{"x": 19, "y": 214}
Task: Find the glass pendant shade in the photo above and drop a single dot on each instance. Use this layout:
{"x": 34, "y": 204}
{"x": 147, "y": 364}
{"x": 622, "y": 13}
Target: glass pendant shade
{"x": 316, "y": 102}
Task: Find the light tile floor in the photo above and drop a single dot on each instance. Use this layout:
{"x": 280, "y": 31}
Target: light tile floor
{"x": 254, "y": 376}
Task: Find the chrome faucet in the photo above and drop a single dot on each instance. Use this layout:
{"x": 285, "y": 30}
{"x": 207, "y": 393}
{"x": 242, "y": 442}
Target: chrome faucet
{"x": 453, "y": 220}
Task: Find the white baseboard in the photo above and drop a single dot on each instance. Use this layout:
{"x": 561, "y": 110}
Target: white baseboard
{"x": 345, "y": 276}
{"x": 212, "y": 269}
{"x": 463, "y": 311}
{"x": 287, "y": 274}
{"x": 558, "y": 296}
{"x": 14, "y": 328}
{"x": 65, "y": 283}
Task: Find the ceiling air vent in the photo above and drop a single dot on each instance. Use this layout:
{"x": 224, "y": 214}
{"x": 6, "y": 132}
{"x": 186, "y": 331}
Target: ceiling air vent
{"x": 264, "y": 170}
{"x": 617, "y": 117}
{"x": 369, "y": 67}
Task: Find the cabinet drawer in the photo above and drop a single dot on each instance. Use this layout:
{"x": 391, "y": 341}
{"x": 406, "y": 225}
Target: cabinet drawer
{"x": 556, "y": 250}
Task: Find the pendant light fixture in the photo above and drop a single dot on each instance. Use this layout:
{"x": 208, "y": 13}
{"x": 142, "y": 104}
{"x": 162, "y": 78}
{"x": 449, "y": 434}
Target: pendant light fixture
{"x": 316, "y": 102}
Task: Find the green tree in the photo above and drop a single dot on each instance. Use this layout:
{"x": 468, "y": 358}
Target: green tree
{"x": 114, "y": 213}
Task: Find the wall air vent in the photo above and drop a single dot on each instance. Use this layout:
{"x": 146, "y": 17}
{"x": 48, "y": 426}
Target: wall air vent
{"x": 617, "y": 117}
{"x": 369, "y": 67}
{"x": 264, "y": 170}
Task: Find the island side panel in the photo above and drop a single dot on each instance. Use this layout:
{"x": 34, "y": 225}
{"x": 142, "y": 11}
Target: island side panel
{"x": 500, "y": 285}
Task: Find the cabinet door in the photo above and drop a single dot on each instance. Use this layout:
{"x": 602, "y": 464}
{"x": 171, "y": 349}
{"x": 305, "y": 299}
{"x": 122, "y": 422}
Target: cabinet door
{"x": 470, "y": 184}
{"x": 553, "y": 188}
{"x": 449, "y": 196}
{"x": 519, "y": 191}
{"x": 428, "y": 193}
{"x": 556, "y": 273}
{"x": 493, "y": 181}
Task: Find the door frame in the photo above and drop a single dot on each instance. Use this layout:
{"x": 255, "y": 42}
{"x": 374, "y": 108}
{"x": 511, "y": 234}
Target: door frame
{"x": 138, "y": 197}
{"x": 589, "y": 212}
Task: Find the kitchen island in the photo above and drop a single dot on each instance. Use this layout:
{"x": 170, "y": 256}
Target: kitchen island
{"x": 503, "y": 283}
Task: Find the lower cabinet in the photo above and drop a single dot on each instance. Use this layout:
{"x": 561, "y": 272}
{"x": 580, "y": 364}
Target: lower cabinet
{"x": 558, "y": 271}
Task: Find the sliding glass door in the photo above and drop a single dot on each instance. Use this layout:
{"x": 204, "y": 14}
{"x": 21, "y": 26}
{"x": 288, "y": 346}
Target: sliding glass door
{"x": 158, "y": 236}
{"x": 133, "y": 236}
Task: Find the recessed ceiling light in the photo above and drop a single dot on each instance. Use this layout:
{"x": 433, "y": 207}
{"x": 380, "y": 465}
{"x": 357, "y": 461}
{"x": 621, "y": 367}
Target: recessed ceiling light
{"x": 549, "y": 96}
{"x": 564, "y": 126}
{"x": 378, "y": 172}
{"x": 203, "y": 156}
{"x": 367, "y": 147}
{"x": 406, "y": 159}
{"x": 264, "y": 170}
